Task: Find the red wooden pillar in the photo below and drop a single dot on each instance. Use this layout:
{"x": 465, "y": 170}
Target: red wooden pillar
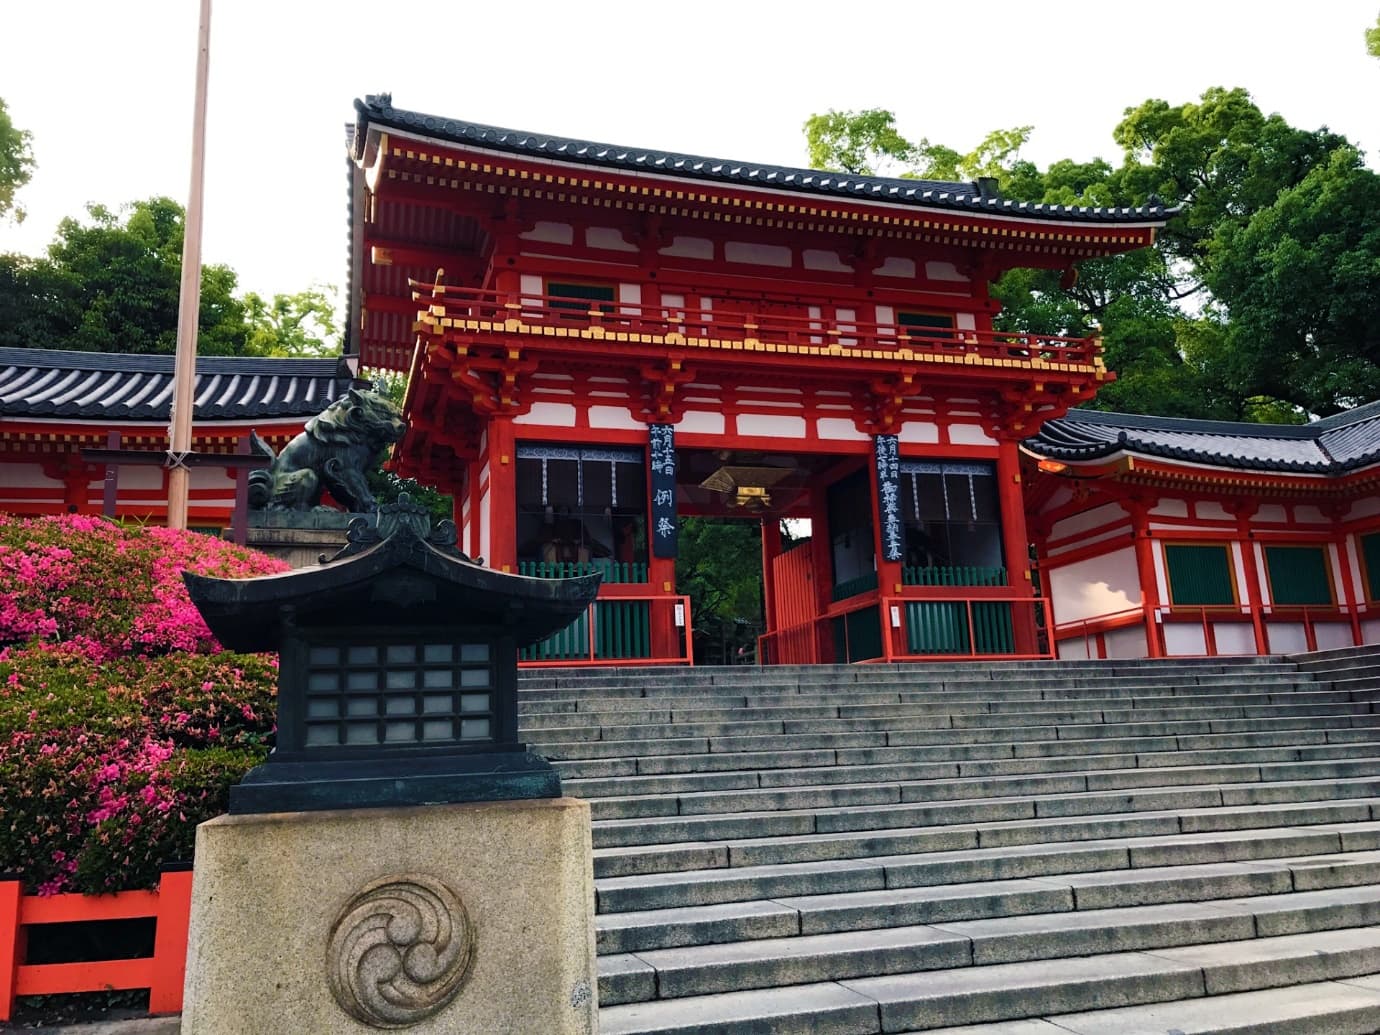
{"x": 11, "y": 943}
{"x": 1145, "y": 569}
{"x": 1255, "y": 602}
{"x": 822, "y": 564}
{"x": 1016, "y": 545}
{"x": 502, "y": 515}
{"x": 771, "y": 549}
{"x": 170, "y": 941}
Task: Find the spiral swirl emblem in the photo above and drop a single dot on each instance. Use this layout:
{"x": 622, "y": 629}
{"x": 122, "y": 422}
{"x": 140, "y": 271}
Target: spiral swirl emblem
{"x": 399, "y": 950}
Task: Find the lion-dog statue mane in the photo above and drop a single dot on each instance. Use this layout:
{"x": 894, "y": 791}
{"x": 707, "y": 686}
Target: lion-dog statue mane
{"x": 333, "y": 454}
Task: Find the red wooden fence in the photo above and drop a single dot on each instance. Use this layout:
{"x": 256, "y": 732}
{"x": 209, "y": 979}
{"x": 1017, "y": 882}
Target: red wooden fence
{"x": 162, "y": 973}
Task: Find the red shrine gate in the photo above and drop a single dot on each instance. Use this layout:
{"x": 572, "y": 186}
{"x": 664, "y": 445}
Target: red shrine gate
{"x": 602, "y": 340}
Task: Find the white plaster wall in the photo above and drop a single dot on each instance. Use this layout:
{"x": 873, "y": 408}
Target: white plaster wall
{"x": 844, "y": 318}
{"x": 1210, "y": 510}
{"x": 1161, "y": 572}
{"x": 551, "y": 233}
{"x": 1234, "y": 637}
{"x": 757, "y": 254}
{"x": 771, "y": 425}
{"x": 970, "y": 435}
{"x": 1094, "y": 518}
{"x": 1310, "y": 516}
{"x": 1092, "y": 540}
{"x": 702, "y": 422}
{"x": 838, "y": 428}
{"x": 1285, "y": 637}
{"x": 1366, "y": 507}
{"x": 1095, "y": 586}
{"x": 1184, "y": 639}
{"x": 823, "y": 259}
{"x": 629, "y": 297}
{"x": 1353, "y": 561}
{"x": 1272, "y": 513}
{"x": 944, "y": 271}
{"x": 965, "y": 321}
{"x": 613, "y": 417}
{"x": 1170, "y": 508}
{"x": 1126, "y": 643}
{"x": 690, "y": 248}
{"x": 1239, "y": 571}
{"x": 919, "y": 431}
{"x": 1331, "y": 635}
{"x": 608, "y": 238}
{"x": 1370, "y": 630}
{"x": 556, "y": 415}
{"x": 895, "y": 266}
{"x": 531, "y": 287}
{"x": 1073, "y": 650}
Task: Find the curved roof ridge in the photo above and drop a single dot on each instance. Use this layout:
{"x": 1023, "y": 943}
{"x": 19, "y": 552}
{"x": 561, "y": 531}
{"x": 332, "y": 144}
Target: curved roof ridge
{"x": 933, "y": 193}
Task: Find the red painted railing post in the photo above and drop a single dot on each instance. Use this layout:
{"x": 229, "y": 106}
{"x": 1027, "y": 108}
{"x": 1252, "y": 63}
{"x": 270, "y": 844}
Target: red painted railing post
{"x": 11, "y": 944}
{"x": 170, "y": 941}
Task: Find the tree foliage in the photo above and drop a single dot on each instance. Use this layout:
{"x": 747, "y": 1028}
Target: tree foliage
{"x": 1257, "y": 301}
{"x": 16, "y": 163}
{"x": 111, "y": 282}
{"x": 1373, "y": 40}
{"x": 720, "y": 568}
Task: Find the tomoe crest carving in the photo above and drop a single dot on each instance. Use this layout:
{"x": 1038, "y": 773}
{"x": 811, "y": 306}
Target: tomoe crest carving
{"x": 399, "y": 950}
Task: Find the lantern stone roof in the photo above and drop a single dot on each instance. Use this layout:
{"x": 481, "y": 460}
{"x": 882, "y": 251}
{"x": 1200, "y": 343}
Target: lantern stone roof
{"x": 399, "y": 570}
{"x": 974, "y": 197}
{"x": 115, "y": 387}
{"x": 1335, "y": 445}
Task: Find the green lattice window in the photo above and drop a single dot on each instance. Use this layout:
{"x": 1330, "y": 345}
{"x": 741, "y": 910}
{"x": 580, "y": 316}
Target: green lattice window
{"x": 1200, "y": 575}
{"x": 1298, "y": 575}
{"x": 927, "y": 325}
{"x": 1370, "y": 550}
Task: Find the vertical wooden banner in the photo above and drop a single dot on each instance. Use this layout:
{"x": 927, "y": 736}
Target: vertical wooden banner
{"x": 888, "y": 461}
{"x": 662, "y": 529}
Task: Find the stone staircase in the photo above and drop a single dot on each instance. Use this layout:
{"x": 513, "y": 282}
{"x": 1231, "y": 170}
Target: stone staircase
{"x": 1031, "y": 848}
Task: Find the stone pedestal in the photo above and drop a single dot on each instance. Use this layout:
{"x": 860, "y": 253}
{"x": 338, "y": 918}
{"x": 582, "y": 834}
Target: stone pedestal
{"x": 298, "y": 538}
{"x": 474, "y": 918}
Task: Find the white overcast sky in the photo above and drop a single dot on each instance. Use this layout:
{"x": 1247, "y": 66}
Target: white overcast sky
{"x": 105, "y": 86}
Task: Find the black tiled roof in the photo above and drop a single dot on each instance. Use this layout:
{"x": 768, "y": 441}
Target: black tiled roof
{"x": 104, "y": 386}
{"x": 378, "y": 109}
{"x": 1335, "y": 445}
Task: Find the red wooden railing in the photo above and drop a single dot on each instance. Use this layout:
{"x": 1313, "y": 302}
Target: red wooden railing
{"x": 161, "y": 973}
{"x": 495, "y": 309}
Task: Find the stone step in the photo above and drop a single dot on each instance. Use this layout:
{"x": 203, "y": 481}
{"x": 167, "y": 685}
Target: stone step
{"x": 582, "y": 743}
{"x": 845, "y": 809}
{"x": 764, "y": 695}
{"x": 762, "y": 849}
{"x": 1159, "y": 704}
{"x": 1015, "y": 919}
{"x": 1349, "y": 1006}
{"x": 810, "y": 957}
{"x": 1322, "y": 848}
{"x": 1308, "y": 744}
{"x": 1208, "y": 986}
{"x": 561, "y": 742}
{"x": 1099, "y": 772}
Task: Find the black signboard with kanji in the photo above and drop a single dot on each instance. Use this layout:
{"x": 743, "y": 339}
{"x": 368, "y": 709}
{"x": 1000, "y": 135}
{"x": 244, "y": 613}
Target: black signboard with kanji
{"x": 889, "y": 497}
{"x": 662, "y": 529}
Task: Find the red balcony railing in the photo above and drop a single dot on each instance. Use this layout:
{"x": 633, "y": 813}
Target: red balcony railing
{"x": 498, "y": 312}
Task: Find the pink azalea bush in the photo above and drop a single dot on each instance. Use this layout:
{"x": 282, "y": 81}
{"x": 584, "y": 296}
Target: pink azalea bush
{"x": 109, "y": 589}
{"x": 122, "y": 723}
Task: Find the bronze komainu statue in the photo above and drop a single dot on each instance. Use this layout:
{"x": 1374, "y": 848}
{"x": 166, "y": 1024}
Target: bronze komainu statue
{"x": 334, "y": 454}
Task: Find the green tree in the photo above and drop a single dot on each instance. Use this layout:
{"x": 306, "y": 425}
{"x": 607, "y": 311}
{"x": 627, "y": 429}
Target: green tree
{"x": 110, "y": 283}
{"x": 16, "y": 163}
{"x": 720, "y": 568}
{"x": 1373, "y": 40}
{"x": 303, "y": 324}
{"x": 1176, "y": 326}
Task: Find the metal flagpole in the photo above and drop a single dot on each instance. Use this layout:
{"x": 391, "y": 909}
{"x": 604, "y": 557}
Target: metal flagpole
{"x": 189, "y": 302}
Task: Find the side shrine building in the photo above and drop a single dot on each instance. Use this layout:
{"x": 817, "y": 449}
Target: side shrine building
{"x": 603, "y": 340}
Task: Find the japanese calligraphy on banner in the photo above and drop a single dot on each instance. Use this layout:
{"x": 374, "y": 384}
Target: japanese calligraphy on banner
{"x": 889, "y": 498}
{"x": 662, "y": 529}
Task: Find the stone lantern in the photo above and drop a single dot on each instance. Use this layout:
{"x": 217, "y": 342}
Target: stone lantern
{"x": 409, "y": 857}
